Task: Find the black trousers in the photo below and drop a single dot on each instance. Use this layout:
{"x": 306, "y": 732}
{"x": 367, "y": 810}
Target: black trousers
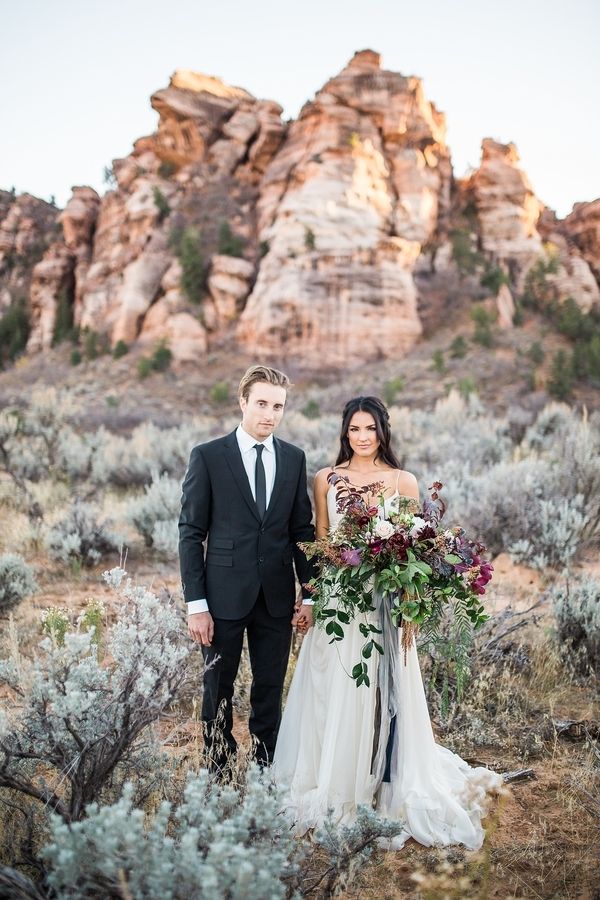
{"x": 269, "y": 640}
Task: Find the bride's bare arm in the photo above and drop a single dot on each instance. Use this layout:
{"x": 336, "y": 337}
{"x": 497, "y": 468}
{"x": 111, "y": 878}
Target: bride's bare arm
{"x": 320, "y": 489}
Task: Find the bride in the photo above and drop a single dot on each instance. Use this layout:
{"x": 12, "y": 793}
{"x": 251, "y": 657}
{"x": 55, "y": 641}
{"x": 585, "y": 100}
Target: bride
{"x": 340, "y": 745}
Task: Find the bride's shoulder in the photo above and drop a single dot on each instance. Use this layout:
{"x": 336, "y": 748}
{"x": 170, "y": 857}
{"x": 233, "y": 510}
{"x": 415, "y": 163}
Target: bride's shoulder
{"x": 407, "y": 483}
{"x": 322, "y": 476}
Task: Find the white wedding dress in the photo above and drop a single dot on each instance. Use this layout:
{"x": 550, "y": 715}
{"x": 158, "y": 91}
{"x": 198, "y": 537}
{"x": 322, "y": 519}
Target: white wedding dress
{"x": 324, "y": 758}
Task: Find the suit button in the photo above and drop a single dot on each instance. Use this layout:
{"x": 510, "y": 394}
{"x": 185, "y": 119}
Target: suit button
{"x": 261, "y": 559}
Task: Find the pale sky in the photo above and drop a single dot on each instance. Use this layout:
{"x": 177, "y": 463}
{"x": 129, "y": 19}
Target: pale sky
{"x": 77, "y": 77}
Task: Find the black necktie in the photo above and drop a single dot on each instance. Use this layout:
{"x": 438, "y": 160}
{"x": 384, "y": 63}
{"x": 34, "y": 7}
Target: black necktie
{"x": 260, "y": 482}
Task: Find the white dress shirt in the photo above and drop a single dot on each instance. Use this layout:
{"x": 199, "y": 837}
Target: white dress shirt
{"x": 247, "y": 443}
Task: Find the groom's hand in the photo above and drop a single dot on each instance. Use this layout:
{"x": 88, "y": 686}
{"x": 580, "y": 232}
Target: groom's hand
{"x": 201, "y": 628}
{"x": 303, "y": 618}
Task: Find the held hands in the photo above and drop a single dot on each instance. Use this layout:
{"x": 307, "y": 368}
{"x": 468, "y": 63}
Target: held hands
{"x": 201, "y": 628}
{"x": 303, "y": 618}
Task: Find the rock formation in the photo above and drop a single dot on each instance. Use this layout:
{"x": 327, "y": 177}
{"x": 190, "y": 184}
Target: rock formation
{"x": 331, "y": 238}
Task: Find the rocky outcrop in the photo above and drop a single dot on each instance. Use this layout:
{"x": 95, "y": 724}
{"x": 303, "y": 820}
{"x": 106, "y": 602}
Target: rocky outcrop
{"x": 27, "y": 227}
{"x": 582, "y": 226}
{"x": 345, "y": 207}
{"x": 507, "y": 208}
{"x": 335, "y": 238}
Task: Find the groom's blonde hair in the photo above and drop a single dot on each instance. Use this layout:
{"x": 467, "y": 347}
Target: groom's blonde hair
{"x": 257, "y": 374}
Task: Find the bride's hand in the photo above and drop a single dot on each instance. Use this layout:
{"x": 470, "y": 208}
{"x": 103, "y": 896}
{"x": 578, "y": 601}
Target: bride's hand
{"x": 303, "y": 618}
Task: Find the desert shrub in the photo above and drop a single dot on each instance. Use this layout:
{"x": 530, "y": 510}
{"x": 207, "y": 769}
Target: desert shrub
{"x": 186, "y": 244}
{"x": 75, "y": 357}
{"x": 16, "y": 580}
{"x": 466, "y": 386}
{"x": 131, "y": 461}
{"x": 464, "y": 254}
{"x": 483, "y": 320}
{"x": 317, "y": 437}
{"x": 263, "y": 249}
{"x": 219, "y": 392}
{"x": 35, "y": 442}
{"x": 585, "y": 359}
{"x": 493, "y": 279}
{"x": 14, "y": 330}
{"x": 310, "y": 242}
{"x": 538, "y": 289}
{"x": 166, "y": 169}
{"x": 89, "y": 716}
{"x": 311, "y": 409}
{"x": 120, "y": 349}
{"x": 392, "y": 388}
{"x": 560, "y": 383}
{"x": 79, "y": 538}
{"x": 161, "y": 357}
{"x": 536, "y": 353}
{"x": 222, "y": 843}
{"x": 144, "y": 367}
{"x": 576, "y": 605}
{"x": 64, "y": 329}
{"x": 93, "y": 345}
{"x": 229, "y": 244}
{"x": 458, "y": 347}
{"x": 161, "y": 203}
{"x": 156, "y": 512}
{"x": 437, "y": 362}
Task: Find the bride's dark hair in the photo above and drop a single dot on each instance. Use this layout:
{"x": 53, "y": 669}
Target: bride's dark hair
{"x": 375, "y": 408}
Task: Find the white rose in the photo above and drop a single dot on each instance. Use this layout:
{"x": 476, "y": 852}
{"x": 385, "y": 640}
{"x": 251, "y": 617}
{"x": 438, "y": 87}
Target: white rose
{"x": 384, "y": 529}
{"x": 418, "y": 524}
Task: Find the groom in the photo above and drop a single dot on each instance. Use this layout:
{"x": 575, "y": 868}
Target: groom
{"x": 245, "y": 495}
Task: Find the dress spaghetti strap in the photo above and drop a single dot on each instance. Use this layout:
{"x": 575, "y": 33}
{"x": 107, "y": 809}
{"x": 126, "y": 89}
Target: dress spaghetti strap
{"x": 397, "y": 480}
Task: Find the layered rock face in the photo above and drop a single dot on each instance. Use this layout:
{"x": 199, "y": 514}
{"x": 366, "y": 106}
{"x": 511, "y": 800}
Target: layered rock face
{"x": 28, "y": 226}
{"x": 328, "y": 239}
{"x": 507, "y": 208}
{"x": 345, "y": 208}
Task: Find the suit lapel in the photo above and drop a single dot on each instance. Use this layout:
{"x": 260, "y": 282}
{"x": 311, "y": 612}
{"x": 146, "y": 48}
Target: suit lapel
{"x": 234, "y": 461}
{"x": 281, "y": 467}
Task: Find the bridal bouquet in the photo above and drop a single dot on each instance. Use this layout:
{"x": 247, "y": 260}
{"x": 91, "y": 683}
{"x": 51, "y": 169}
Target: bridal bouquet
{"x": 404, "y": 555}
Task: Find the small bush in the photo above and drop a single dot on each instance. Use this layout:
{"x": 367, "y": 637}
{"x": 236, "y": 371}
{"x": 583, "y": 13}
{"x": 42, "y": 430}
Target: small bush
{"x": 309, "y": 239}
{"x": 166, "y": 169}
{"x": 494, "y": 279}
{"x": 229, "y": 244}
{"x": 311, "y": 410}
{"x": 63, "y": 323}
{"x": 186, "y": 244}
{"x": 467, "y": 386}
{"x": 16, "y": 580}
{"x": 155, "y": 513}
{"x": 437, "y": 361}
{"x": 219, "y": 392}
{"x": 161, "y": 358}
{"x": 458, "y": 347}
{"x": 576, "y": 604}
{"x": 464, "y": 255}
{"x": 79, "y": 538}
{"x": 75, "y": 357}
{"x": 536, "y": 353}
{"x": 482, "y": 320}
{"x": 560, "y": 383}
{"x": 14, "y": 330}
{"x": 94, "y": 344}
{"x": 161, "y": 203}
{"x": 263, "y": 248}
{"x": 120, "y": 349}
{"x": 144, "y": 367}
{"x": 108, "y": 177}
{"x": 392, "y": 388}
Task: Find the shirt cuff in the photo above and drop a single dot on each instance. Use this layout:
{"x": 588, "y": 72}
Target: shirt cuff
{"x": 196, "y": 606}
{"x": 306, "y": 601}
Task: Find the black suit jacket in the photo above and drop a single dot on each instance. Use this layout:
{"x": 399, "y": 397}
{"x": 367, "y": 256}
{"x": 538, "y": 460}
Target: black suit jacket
{"x": 243, "y": 554}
